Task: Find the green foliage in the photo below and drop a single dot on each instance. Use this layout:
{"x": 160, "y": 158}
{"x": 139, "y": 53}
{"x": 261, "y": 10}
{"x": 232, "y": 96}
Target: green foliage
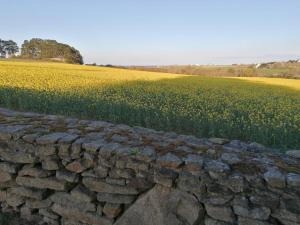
{"x": 135, "y": 151}
{"x": 50, "y": 49}
{"x": 8, "y": 48}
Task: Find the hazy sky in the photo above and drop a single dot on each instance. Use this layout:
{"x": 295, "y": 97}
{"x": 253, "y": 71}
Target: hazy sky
{"x": 148, "y": 32}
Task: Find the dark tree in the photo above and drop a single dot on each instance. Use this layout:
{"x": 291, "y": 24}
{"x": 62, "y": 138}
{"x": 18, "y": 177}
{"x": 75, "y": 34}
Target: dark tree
{"x": 50, "y": 49}
{"x": 8, "y": 48}
{"x": 11, "y": 48}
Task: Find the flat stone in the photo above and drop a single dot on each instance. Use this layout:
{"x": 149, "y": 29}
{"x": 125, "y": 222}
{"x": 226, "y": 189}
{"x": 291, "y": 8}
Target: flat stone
{"x": 9, "y": 167}
{"x": 221, "y": 213}
{"x": 219, "y": 141}
{"x": 83, "y": 194}
{"x": 112, "y": 210}
{"x": 3, "y": 195}
{"x": 17, "y": 156}
{"x": 65, "y": 199}
{"x": 193, "y": 162}
{"x": 38, "y": 204}
{"x": 115, "y": 198}
{"x": 165, "y": 177}
{"x": 259, "y": 213}
{"x": 29, "y": 192}
{"x": 169, "y": 160}
{"x": 29, "y": 170}
{"x": 189, "y": 183}
{"x": 266, "y": 199}
{"x": 210, "y": 221}
{"x": 107, "y": 150}
{"x": 286, "y": 217}
{"x": 101, "y": 186}
{"x": 30, "y": 138}
{"x": 294, "y": 153}
{"x": 75, "y": 214}
{"x": 94, "y": 146}
{"x": 14, "y": 200}
{"x": 146, "y": 154}
{"x": 42, "y": 183}
{"x": 68, "y": 138}
{"x": 50, "y": 163}
{"x": 6, "y": 132}
{"x": 230, "y": 158}
{"x": 76, "y": 166}
{"x": 67, "y": 176}
{"x": 5, "y": 176}
{"x": 50, "y": 138}
{"x": 76, "y": 148}
{"x": 46, "y": 150}
{"x": 216, "y": 169}
{"x": 247, "y": 221}
{"x": 275, "y": 178}
{"x": 48, "y": 213}
{"x": 293, "y": 180}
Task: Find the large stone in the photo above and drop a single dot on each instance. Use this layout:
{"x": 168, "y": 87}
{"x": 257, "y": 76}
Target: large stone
{"x": 6, "y": 132}
{"x": 50, "y": 163}
{"x": 15, "y": 200}
{"x": 112, "y": 210}
{"x": 17, "y": 156}
{"x": 78, "y": 215}
{"x": 50, "y": 138}
{"x": 3, "y": 196}
{"x": 67, "y": 176}
{"x": 218, "y": 141}
{"x": 294, "y": 153}
{"x": 217, "y": 169}
{"x": 48, "y": 213}
{"x": 101, "y": 186}
{"x": 29, "y": 192}
{"x": 169, "y": 160}
{"x": 193, "y": 162}
{"x": 247, "y": 221}
{"x": 65, "y": 199}
{"x": 163, "y": 206}
{"x": 81, "y": 193}
{"x": 259, "y": 213}
{"x": 93, "y": 146}
{"x": 222, "y": 213}
{"x": 5, "y": 176}
{"x": 38, "y": 204}
{"x": 231, "y": 158}
{"x": 9, "y": 167}
{"x": 146, "y": 154}
{"x": 42, "y": 183}
{"x": 210, "y": 221}
{"x": 275, "y": 178}
{"x": 29, "y": 170}
{"x": 76, "y": 166}
{"x": 293, "y": 180}
{"x": 115, "y": 198}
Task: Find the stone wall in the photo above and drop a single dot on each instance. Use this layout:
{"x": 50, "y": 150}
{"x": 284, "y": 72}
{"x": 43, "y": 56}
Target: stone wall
{"x": 57, "y": 170}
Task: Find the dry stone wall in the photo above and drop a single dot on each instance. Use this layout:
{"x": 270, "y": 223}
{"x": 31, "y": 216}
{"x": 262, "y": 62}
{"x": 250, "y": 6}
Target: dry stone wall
{"x": 57, "y": 170}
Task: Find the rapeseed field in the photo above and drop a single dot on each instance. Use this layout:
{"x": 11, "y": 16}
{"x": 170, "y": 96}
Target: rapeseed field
{"x": 264, "y": 110}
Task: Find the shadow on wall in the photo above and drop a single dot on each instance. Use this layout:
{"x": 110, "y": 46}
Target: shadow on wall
{"x": 201, "y": 106}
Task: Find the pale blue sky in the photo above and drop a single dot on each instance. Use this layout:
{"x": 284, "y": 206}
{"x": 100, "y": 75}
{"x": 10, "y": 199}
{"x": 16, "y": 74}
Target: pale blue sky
{"x": 148, "y": 32}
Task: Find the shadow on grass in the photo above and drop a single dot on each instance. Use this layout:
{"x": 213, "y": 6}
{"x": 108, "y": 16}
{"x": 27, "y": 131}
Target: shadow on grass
{"x": 202, "y": 106}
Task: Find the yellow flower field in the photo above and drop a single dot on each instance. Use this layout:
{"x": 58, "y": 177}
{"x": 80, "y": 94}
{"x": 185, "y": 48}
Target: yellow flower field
{"x": 264, "y": 110}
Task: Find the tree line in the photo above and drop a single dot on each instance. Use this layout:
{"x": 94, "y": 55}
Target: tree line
{"x": 8, "y": 48}
{"x": 41, "y": 49}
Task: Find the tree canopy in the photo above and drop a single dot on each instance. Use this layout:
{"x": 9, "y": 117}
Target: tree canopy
{"x": 50, "y": 49}
{"x": 8, "y": 48}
